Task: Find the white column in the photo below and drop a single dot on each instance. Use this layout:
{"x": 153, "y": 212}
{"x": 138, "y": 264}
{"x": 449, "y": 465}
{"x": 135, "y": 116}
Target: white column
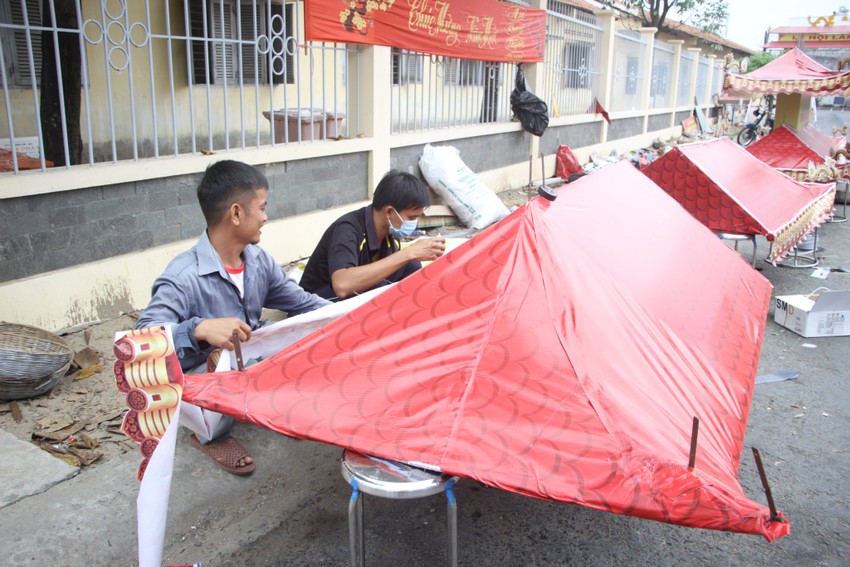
{"x": 692, "y": 88}
{"x": 674, "y": 91}
{"x": 607, "y": 21}
{"x": 375, "y": 83}
{"x": 647, "y": 35}
{"x": 710, "y": 86}
{"x": 535, "y": 75}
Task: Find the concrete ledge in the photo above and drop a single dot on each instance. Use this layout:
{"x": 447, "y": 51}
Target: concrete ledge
{"x": 27, "y": 470}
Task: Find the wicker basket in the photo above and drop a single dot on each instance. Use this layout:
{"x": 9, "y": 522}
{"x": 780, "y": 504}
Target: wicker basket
{"x": 32, "y": 361}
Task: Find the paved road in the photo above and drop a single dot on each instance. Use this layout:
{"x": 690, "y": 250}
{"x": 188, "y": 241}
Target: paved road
{"x": 829, "y": 119}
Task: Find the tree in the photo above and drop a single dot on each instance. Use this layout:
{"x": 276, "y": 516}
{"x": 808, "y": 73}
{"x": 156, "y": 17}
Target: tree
{"x": 759, "y": 60}
{"x": 707, "y": 15}
{"x": 70, "y": 87}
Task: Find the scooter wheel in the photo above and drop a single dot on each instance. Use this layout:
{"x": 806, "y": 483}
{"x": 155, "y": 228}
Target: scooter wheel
{"x": 746, "y": 136}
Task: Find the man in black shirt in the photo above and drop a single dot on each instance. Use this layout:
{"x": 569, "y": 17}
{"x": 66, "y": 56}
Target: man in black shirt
{"x": 361, "y": 250}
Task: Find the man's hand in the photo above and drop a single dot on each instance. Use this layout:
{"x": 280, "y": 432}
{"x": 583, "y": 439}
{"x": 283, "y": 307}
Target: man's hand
{"x": 219, "y": 332}
{"x": 427, "y": 249}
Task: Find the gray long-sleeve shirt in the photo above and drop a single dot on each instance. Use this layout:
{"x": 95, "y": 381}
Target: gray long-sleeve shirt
{"x": 195, "y": 286}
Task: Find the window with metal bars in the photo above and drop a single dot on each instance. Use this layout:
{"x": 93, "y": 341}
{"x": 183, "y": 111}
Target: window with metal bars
{"x": 464, "y": 72}
{"x": 578, "y": 61}
{"x": 16, "y": 62}
{"x": 564, "y": 9}
{"x": 252, "y": 30}
{"x": 660, "y": 74}
{"x": 631, "y": 75}
{"x": 408, "y": 67}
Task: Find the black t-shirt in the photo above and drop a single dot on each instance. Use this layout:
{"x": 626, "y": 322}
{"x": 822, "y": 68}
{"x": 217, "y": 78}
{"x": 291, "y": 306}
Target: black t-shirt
{"x": 349, "y": 242}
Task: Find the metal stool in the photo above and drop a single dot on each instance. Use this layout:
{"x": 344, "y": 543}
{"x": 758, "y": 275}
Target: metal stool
{"x": 843, "y": 216}
{"x": 736, "y": 238}
{"x": 391, "y": 479}
{"x": 802, "y": 256}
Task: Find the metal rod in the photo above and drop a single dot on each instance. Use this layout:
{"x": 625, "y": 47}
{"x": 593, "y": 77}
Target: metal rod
{"x": 35, "y": 93}
{"x": 174, "y": 125}
{"x": 694, "y": 435}
{"x": 237, "y": 348}
{"x": 8, "y": 106}
{"x": 60, "y": 88}
{"x": 189, "y": 65}
{"x": 109, "y": 103}
{"x": 132, "y": 89}
{"x": 773, "y": 514}
{"x": 151, "y": 72}
{"x": 542, "y": 168}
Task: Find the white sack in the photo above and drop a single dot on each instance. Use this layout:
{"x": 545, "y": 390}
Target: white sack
{"x": 472, "y": 201}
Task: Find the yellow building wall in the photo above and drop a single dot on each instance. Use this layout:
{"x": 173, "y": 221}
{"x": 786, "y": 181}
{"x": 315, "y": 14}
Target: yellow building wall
{"x": 132, "y": 99}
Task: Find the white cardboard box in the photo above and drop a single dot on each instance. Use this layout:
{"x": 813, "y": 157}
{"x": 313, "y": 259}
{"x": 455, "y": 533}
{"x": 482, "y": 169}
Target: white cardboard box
{"x": 822, "y": 314}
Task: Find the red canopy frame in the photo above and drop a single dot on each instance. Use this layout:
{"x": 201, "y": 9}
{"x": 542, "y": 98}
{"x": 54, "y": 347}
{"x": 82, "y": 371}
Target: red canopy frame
{"x": 792, "y": 72}
{"x": 729, "y": 190}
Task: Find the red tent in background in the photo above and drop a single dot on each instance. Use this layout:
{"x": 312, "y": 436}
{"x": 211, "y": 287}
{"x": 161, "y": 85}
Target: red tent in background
{"x": 545, "y": 358}
{"x": 792, "y": 72}
{"x": 792, "y": 151}
{"x": 729, "y": 190}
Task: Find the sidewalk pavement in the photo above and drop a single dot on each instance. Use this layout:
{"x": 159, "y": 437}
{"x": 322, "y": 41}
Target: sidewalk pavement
{"x": 28, "y": 470}
{"x": 89, "y": 518}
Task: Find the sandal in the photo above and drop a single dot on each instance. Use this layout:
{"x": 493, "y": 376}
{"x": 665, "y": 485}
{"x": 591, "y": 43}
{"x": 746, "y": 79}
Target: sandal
{"x": 226, "y": 453}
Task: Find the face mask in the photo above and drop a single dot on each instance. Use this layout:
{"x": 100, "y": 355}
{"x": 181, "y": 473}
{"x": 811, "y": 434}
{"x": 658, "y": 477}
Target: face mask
{"x": 406, "y": 229}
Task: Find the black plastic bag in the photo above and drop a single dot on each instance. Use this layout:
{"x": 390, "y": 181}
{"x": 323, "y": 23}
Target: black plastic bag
{"x": 532, "y": 112}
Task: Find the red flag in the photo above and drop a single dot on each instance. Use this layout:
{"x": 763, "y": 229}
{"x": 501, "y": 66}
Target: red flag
{"x": 597, "y": 109}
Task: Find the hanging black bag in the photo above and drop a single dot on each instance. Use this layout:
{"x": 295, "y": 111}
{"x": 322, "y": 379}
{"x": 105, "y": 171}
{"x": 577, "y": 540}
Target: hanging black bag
{"x": 532, "y": 112}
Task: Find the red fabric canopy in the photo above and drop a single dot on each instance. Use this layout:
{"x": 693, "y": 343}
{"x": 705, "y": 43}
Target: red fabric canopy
{"x": 792, "y": 72}
{"x": 543, "y": 357}
{"x": 729, "y": 190}
{"x": 791, "y": 151}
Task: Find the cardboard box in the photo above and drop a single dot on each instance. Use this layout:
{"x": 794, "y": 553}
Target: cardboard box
{"x": 822, "y": 314}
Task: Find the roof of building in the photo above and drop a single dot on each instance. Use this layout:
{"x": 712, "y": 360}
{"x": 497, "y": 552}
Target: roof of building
{"x": 678, "y": 28}
{"x": 830, "y": 30}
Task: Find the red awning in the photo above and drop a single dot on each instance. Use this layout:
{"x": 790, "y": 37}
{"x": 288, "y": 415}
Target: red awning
{"x": 544, "y": 358}
{"x": 729, "y": 190}
{"x": 820, "y": 30}
{"x": 792, "y": 72}
{"x": 804, "y": 155}
{"x": 813, "y": 44}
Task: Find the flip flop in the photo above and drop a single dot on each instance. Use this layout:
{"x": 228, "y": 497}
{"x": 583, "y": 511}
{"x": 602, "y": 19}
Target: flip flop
{"x": 226, "y": 453}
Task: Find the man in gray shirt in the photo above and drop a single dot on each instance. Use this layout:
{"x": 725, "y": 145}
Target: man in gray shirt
{"x": 221, "y": 285}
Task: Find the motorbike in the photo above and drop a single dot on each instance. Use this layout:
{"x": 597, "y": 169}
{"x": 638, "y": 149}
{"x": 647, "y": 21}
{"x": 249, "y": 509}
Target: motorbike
{"x": 750, "y": 132}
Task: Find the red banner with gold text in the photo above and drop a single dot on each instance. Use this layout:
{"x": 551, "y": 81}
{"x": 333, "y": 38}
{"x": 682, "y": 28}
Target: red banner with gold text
{"x": 485, "y": 29}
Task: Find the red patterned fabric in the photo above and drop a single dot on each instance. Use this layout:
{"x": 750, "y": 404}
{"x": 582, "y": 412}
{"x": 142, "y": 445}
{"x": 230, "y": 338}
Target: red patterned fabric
{"x": 783, "y": 149}
{"x": 545, "y": 358}
{"x": 729, "y": 190}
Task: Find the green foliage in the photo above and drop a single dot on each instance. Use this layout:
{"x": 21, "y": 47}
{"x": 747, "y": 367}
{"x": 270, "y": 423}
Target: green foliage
{"x": 759, "y": 60}
{"x": 707, "y": 15}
